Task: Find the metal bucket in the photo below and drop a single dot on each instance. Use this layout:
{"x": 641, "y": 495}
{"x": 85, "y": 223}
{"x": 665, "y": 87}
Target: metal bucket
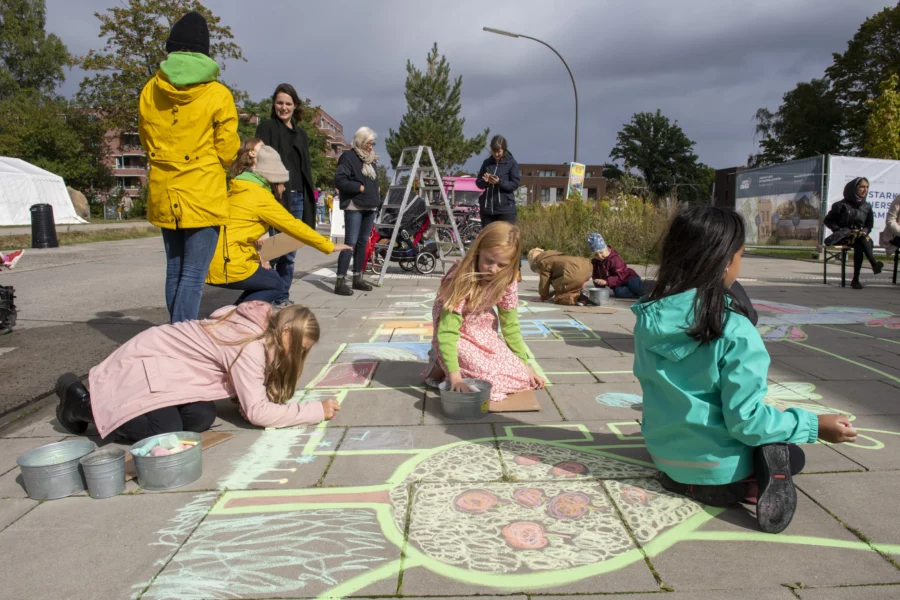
{"x": 104, "y": 472}
{"x": 468, "y": 405}
{"x": 157, "y": 473}
{"x": 53, "y": 471}
{"x": 598, "y": 296}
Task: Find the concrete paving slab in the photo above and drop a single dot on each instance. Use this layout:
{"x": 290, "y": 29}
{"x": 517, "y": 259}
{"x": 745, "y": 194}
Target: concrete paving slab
{"x": 623, "y": 345}
{"x": 295, "y": 554}
{"x": 866, "y": 592}
{"x": 380, "y": 408}
{"x": 781, "y": 371}
{"x": 860, "y": 398}
{"x": 506, "y": 530}
{"x": 373, "y": 455}
{"x": 611, "y": 370}
{"x": 823, "y": 458}
{"x": 568, "y": 349}
{"x": 12, "y": 509}
{"x": 120, "y": 552}
{"x": 598, "y": 401}
{"x": 565, "y": 371}
{"x": 744, "y": 554}
{"x": 849, "y": 497}
{"x": 877, "y": 447}
{"x": 776, "y": 593}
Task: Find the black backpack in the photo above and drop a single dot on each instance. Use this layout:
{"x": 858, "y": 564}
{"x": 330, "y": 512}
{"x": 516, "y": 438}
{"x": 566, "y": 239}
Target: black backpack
{"x": 7, "y": 309}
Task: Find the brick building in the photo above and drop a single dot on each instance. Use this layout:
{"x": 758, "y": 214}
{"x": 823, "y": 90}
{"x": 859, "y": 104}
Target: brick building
{"x": 333, "y": 131}
{"x": 127, "y": 162}
{"x": 546, "y": 183}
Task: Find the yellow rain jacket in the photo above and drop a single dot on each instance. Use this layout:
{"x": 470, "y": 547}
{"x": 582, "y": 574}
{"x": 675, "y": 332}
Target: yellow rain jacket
{"x": 253, "y": 210}
{"x": 188, "y": 128}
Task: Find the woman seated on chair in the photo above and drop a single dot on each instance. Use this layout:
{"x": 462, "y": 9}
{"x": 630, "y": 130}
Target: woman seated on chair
{"x": 851, "y": 219}
{"x": 890, "y": 237}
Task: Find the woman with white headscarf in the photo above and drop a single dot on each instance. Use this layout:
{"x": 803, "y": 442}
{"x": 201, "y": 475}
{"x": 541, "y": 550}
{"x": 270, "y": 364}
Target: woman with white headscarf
{"x": 356, "y": 178}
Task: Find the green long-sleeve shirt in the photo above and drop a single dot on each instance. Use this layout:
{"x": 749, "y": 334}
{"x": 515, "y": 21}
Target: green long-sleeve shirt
{"x": 448, "y": 335}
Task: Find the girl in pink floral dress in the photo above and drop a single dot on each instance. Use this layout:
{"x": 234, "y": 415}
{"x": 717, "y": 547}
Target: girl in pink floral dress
{"x": 466, "y": 344}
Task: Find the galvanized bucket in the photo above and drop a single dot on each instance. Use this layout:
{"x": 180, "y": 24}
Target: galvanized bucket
{"x": 158, "y": 473}
{"x": 598, "y": 296}
{"x": 53, "y": 471}
{"x": 468, "y": 405}
{"x": 104, "y": 471}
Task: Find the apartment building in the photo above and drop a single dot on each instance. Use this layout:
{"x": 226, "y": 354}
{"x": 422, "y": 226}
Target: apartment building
{"x": 546, "y": 183}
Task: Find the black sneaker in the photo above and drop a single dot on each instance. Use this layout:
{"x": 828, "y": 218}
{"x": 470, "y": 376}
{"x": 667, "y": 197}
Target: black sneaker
{"x": 74, "y": 409}
{"x": 724, "y": 495}
{"x": 777, "y": 496}
{"x": 856, "y": 285}
{"x": 341, "y": 289}
{"x": 877, "y": 267}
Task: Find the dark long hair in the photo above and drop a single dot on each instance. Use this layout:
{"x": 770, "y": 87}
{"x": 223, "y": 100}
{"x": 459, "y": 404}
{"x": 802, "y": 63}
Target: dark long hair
{"x": 498, "y": 142}
{"x": 286, "y": 88}
{"x": 695, "y": 252}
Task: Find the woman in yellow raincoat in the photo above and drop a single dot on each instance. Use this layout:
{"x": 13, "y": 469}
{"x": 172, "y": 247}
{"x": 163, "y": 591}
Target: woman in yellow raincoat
{"x": 188, "y": 128}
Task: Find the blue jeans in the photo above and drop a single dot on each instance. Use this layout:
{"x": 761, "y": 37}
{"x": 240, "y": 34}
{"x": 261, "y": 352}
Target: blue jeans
{"x": 284, "y": 265}
{"x": 265, "y": 285}
{"x": 357, "y": 229}
{"x": 320, "y": 210}
{"x": 633, "y": 288}
{"x": 188, "y": 254}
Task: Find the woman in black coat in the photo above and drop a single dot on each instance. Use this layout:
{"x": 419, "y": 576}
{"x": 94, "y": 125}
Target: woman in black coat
{"x": 284, "y": 133}
{"x": 499, "y": 178}
{"x": 356, "y": 179}
{"x": 852, "y": 220}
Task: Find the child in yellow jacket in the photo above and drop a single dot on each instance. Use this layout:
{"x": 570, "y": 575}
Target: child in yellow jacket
{"x": 236, "y": 264}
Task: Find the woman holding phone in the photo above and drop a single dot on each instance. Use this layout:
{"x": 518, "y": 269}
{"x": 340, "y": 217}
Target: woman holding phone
{"x": 499, "y": 178}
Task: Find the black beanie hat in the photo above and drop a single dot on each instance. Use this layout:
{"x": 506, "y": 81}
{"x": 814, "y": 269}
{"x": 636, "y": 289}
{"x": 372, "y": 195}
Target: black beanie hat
{"x": 189, "y": 34}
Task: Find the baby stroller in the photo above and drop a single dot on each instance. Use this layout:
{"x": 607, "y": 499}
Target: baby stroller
{"x": 411, "y": 250}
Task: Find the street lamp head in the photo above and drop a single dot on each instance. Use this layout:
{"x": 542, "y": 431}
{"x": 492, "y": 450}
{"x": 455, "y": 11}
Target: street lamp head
{"x": 500, "y": 32}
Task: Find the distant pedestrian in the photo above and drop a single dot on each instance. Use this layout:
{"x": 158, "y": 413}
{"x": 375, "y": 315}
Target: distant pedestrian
{"x": 499, "y": 178}
{"x": 284, "y": 133}
{"x": 356, "y": 178}
{"x": 188, "y": 128}
{"x": 120, "y": 208}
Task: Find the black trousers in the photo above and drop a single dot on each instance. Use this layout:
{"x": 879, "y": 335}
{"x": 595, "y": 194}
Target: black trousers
{"x": 195, "y": 416}
{"x": 862, "y": 247}
{"x": 488, "y": 219}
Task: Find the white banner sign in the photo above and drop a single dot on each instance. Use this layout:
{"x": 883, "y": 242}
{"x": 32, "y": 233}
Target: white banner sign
{"x": 337, "y": 221}
{"x": 884, "y": 183}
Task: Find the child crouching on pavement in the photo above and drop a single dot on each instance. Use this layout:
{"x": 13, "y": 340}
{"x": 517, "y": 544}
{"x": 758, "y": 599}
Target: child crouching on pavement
{"x": 611, "y": 271}
{"x": 565, "y": 274}
{"x": 702, "y": 367}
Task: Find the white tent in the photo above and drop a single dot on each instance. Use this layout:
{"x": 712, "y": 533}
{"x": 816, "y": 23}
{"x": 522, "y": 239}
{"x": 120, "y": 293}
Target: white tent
{"x": 23, "y": 185}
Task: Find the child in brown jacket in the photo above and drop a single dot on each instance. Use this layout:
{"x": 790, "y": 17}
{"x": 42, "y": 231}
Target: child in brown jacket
{"x": 566, "y": 274}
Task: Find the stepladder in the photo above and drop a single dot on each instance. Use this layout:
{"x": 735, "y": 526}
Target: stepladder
{"x": 415, "y": 226}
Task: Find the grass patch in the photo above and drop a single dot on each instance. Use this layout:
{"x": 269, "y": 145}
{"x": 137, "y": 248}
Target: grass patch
{"x": 633, "y": 227}
{"x": 793, "y": 253}
{"x": 14, "y": 242}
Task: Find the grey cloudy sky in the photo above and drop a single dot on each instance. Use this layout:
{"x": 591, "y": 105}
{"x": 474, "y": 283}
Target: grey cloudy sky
{"x": 707, "y": 63}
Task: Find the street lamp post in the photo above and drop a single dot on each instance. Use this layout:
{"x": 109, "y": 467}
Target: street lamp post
{"x": 572, "y": 77}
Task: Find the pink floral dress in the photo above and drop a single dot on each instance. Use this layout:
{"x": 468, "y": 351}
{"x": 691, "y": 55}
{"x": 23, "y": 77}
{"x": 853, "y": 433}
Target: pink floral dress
{"x": 482, "y": 353}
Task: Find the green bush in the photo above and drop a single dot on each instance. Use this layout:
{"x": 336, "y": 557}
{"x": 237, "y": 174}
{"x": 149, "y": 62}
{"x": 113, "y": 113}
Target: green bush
{"x": 139, "y": 205}
{"x": 632, "y": 226}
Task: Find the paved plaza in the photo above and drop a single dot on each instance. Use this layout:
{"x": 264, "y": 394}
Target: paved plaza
{"x": 393, "y": 499}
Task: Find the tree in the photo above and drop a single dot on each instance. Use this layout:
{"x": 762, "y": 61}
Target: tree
{"x": 883, "y": 126}
{"x": 872, "y": 56}
{"x": 432, "y": 116}
{"x": 55, "y": 135}
{"x": 698, "y": 189}
{"x": 809, "y": 122}
{"x": 384, "y": 182}
{"x": 261, "y": 110}
{"x": 658, "y": 148}
{"x": 29, "y": 58}
{"x": 135, "y": 45}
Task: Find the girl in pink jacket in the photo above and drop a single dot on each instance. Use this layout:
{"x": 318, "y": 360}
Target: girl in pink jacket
{"x": 167, "y": 378}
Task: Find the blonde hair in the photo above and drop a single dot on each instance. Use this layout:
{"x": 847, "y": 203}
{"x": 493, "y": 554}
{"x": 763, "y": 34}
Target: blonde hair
{"x": 362, "y": 136}
{"x": 284, "y": 364}
{"x": 533, "y": 255}
{"x": 246, "y": 156}
{"x": 464, "y": 283}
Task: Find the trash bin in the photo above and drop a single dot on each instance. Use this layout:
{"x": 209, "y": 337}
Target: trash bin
{"x": 43, "y": 227}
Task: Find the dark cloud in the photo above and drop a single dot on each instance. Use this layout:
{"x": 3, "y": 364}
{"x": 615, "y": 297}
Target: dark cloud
{"x": 706, "y": 63}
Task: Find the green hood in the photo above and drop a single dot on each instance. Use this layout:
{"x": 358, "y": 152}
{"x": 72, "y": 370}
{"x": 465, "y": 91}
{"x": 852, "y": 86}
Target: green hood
{"x": 189, "y": 68}
{"x": 663, "y": 324}
{"x": 255, "y": 178}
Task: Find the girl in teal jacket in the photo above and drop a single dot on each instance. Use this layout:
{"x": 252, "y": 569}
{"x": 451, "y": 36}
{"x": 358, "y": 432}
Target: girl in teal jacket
{"x": 702, "y": 367}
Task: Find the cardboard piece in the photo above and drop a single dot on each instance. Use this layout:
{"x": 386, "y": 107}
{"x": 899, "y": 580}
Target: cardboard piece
{"x": 520, "y": 402}
{"x": 596, "y": 310}
{"x": 278, "y": 245}
{"x": 209, "y": 439}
